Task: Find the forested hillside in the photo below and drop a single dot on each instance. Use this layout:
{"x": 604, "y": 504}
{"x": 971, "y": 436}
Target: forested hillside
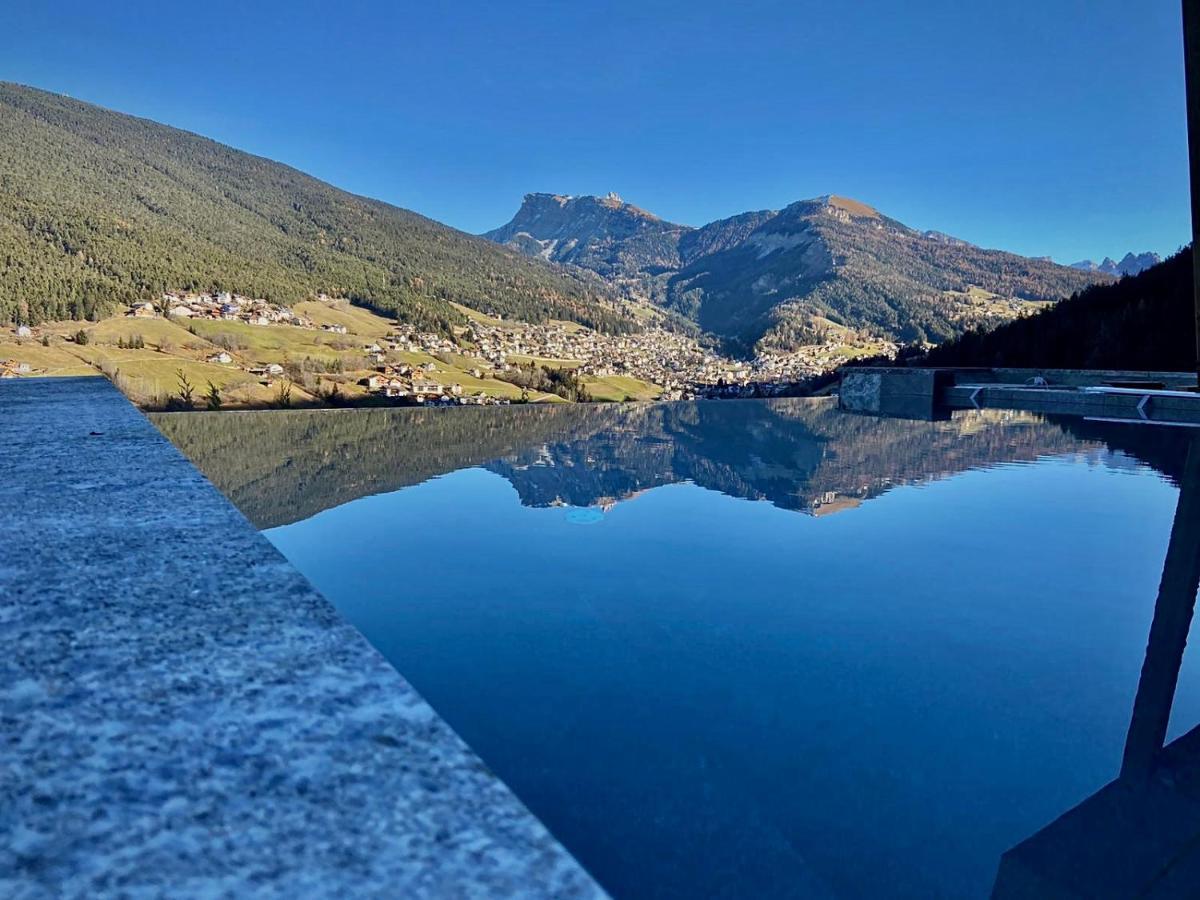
{"x": 836, "y": 260}
{"x": 1144, "y": 321}
{"x": 99, "y": 208}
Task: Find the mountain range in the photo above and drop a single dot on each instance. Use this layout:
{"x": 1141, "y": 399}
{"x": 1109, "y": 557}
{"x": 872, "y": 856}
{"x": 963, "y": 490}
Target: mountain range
{"x": 1130, "y": 264}
{"x": 100, "y": 209}
{"x": 772, "y": 279}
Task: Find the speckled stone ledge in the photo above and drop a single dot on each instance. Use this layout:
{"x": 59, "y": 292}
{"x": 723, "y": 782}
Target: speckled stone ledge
{"x": 181, "y": 714}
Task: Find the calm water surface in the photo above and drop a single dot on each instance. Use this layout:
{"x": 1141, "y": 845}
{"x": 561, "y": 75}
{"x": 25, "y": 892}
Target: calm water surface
{"x": 750, "y": 648}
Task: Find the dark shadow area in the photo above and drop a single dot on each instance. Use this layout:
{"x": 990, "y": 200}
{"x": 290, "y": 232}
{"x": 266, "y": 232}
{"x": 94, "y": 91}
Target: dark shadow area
{"x": 1138, "y": 836}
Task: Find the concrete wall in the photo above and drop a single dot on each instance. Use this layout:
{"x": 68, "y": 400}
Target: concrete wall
{"x": 929, "y": 393}
{"x": 909, "y": 393}
{"x": 184, "y": 715}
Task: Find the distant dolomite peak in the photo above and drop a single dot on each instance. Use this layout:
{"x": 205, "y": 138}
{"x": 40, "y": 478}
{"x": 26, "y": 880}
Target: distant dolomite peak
{"x": 1130, "y": 264}
{"x": 779, "y": 278}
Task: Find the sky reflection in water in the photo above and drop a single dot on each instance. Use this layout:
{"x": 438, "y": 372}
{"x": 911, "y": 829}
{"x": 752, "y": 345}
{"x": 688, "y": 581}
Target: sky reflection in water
{"x": 921, "y": 650}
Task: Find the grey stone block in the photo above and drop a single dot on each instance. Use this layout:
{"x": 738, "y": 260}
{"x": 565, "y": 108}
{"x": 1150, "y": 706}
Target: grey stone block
{"x": 184, "y": 715}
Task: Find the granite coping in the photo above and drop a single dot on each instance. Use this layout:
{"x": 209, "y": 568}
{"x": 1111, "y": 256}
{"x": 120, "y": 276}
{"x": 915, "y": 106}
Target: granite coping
{"x": 184, "y": 715}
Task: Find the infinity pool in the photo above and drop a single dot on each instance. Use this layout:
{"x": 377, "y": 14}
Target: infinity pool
{"x": 744, "y": 649}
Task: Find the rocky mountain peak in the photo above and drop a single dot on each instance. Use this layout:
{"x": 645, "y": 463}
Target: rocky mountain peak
{"x": 1130, "y": 264}
{"x": 615, "y": 239}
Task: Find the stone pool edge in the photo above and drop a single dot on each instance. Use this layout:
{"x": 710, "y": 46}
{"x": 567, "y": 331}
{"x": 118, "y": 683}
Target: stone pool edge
{"x": 183, "y": 712}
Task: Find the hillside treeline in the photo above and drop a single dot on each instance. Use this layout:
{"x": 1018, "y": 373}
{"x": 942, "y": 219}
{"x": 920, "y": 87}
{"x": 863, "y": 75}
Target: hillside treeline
{"x": 99, "y": 208}
{"x": 1144, "y": 321}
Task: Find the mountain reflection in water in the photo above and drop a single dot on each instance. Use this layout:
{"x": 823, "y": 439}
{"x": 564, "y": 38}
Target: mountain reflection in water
{"x": 926, "y": 694}
{"x": 283, "y": 466}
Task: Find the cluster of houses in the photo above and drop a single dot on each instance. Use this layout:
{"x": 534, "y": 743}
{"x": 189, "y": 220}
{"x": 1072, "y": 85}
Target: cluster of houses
{"x": 816, "y": 358}
{"x": 267, "y": 370}
{"x": 678, "y": 363}
{"x": 220, "y": 305}
{"x": 406, "y": 337}
{"x": 11, "y": 368}
{"x": 670, "y": 360}
{"x": 15, "y": 368}
{"x": 418, "y": 385}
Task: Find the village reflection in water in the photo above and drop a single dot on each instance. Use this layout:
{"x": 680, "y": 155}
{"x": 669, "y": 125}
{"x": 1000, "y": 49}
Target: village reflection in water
{"x": 1138, "y": 835}
{"x": 798, "y": 454}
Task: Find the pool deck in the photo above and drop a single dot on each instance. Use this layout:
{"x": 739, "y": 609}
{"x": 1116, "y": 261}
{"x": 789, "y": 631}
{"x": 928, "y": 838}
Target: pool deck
{"x": 184, "y": 715}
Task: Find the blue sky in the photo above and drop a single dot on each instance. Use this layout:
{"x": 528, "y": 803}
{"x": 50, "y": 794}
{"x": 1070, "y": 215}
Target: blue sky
{"x": 1053, "y": 127}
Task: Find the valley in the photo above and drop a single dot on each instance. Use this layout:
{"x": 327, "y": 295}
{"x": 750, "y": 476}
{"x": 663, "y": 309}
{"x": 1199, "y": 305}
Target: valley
{"x": 195, "y": 275}
{"x": 218, "y": 351}
{"x": 374, "y": 523}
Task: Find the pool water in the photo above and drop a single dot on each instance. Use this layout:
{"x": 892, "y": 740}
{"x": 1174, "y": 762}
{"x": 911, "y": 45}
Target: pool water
{"x": 790, "y": 652}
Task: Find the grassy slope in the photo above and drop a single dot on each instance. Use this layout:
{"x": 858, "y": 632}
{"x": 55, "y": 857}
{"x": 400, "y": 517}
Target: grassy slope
{"x": 170, "y": 348}
{"x": 357, "y": 321}
{"x": 621, "y": 387}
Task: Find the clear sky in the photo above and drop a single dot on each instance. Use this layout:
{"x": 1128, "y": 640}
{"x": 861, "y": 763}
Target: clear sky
{"x": 1047, "y": 127}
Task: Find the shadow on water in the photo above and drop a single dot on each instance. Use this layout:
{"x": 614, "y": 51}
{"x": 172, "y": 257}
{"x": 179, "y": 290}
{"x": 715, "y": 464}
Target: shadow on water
{"x": 1138, "y": 836}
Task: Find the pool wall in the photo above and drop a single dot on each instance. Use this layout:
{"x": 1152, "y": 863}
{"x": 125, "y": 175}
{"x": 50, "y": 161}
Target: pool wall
{"x": 1164, "y": 397}
{"x": 184, "y": 714}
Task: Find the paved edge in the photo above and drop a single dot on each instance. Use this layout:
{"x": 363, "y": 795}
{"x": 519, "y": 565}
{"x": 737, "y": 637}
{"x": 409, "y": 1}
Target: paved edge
{"x": 183, "y": 714}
